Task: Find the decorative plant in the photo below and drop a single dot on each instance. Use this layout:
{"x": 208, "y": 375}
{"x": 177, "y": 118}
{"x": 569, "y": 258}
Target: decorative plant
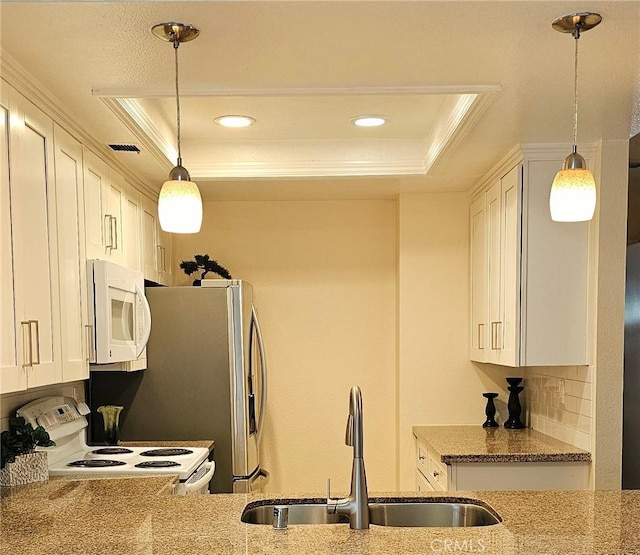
{"x": 203, "y": 262}
{"x": 21, "y": 439}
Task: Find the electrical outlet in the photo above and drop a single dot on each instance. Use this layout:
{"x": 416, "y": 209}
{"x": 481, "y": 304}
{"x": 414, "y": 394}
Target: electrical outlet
{"x": 561, "y": 392}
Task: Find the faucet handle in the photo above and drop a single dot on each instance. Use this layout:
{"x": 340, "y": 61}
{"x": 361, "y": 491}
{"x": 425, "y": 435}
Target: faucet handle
{"x": 348, "y": 439}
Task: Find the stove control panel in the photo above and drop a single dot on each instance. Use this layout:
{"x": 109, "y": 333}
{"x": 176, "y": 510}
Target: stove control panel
{"x": 57, "y": 414}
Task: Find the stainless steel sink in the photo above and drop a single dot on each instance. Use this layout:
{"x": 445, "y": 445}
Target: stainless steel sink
{"x": 307, "y": 511}
{"x": 432, "y": 513}
{"x": 403, "y": 512}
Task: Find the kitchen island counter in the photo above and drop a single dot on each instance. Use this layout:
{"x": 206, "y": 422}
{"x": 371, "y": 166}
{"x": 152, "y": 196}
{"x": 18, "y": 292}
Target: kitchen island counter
{"x": 133, "y": 515}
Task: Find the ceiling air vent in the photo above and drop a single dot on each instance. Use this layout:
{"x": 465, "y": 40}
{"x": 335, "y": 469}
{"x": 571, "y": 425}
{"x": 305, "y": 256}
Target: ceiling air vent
{"x": 124, "y": 148}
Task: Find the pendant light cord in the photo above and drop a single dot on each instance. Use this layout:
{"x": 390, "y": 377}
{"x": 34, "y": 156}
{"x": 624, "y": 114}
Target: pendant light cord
{"x": 576, "y": 36}
{"x": 176, "y": 44}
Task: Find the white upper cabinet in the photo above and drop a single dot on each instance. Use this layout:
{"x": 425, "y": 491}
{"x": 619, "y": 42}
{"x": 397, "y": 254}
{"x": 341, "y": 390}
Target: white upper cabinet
{"x": 75, "y": 327}
{"x": 12, "y": 376}
{"x": 156, "y": 245}
{"x": 33, "y": 269}
{"x": 528, "y": 273}
{"x": 112, "y": 213}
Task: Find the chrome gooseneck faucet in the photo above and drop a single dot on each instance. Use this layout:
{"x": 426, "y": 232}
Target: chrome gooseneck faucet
{"x": 356, "y": 506}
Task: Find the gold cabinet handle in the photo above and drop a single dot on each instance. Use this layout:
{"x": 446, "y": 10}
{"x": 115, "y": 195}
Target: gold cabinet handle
{"x": 27, "y": 344}
{"x": 37, "y": 327}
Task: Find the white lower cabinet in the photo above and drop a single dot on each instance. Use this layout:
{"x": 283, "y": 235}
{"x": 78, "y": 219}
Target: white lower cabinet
{"x": 434, "y": 475}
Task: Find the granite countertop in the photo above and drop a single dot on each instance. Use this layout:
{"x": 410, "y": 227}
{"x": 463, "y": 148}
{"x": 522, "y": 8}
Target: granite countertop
{"x": 134, "y": 516}
{"x": 206, "y": 443}
{"x": 471, "y": 444}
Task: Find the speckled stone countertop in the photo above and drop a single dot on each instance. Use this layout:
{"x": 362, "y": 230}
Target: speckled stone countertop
{"x": 132, "y": 516}
{"x": 471, "y": 444}
{"x": 206, "y": 443}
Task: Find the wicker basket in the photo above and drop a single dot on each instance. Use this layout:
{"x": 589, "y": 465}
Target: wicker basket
{"x": 28, "y": 468}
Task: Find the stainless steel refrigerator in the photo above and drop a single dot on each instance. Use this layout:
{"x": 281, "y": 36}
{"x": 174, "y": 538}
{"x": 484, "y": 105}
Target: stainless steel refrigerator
{"x": 205, "y": 379}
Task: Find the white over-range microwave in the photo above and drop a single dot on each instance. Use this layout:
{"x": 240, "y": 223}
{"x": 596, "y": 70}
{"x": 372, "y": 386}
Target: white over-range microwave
{"x": 120, "y": 315}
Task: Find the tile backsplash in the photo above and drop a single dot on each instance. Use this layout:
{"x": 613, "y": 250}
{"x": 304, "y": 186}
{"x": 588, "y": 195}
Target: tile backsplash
{"x": 559, "y": 403}
{"x": 9, "y": 402}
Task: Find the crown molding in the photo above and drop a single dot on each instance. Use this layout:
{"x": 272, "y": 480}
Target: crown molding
{"x": 310, "y": 168}
{"x": 297, "y": 91}
{"x": 135, "y": 119}
{"x": 15, "y": 75}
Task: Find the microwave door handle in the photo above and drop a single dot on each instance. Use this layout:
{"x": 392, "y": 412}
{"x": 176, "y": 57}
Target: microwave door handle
{"x": 263, "y": 371}
{"x": 147, "y": 320}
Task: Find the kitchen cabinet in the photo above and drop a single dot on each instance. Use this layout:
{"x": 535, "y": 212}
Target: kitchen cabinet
{"x": 528, "y": 274}
{"x": 131, "y": 228}
{"x": 30, "y": 286}
{"x": 112, "y": 212}
{"x": 74, "y": 323}
{"x": 155, "y": 245}
{"x": 434, "y": 475}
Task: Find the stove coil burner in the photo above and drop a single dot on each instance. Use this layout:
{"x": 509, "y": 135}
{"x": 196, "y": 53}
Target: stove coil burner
{"x": 112, "y": 451}
{"x": 157, "y": 464}
{"x": 96, "y": 463}
{"x": 168, "y": 452}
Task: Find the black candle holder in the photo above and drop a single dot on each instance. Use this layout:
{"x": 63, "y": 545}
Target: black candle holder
{"x": 513, "y": 405}
{"x": 490, "y": 411}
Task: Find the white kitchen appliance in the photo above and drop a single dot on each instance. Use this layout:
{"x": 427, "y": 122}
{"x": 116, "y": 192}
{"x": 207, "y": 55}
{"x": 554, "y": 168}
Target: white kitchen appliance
{"x": 120, "y": 314}
{"x": 65, "y": 422}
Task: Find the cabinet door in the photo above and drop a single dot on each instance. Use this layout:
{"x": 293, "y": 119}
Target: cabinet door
{"x": 150, "y": 254}
{"x": 114, "y": 212}
{"x": 479, "y": 329}
{"x": 96, "y": 225}
{"x": 164, "y": 250}
{"x": 12, "y": 375}
{"x": 156, "y": 245}
{"x": 34, "y": 242}
{"x": 71, "y": 256}
{"x": 494, "y": 308}
{"x": 508, "y": 330}
{"x": 131, "y": 235}
{"x": 422, "y": 484}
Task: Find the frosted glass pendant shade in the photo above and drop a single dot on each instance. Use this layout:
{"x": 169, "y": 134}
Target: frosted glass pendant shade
{"x": 573, "y": 196}
{"x": 180, "y": 207}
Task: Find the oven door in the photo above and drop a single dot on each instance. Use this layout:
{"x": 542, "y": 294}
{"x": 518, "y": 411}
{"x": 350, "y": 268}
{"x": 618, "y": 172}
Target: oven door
{"x": 121, "y": 315}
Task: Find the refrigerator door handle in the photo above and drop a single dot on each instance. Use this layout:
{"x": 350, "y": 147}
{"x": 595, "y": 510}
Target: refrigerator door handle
{"x": 263, "y": 372}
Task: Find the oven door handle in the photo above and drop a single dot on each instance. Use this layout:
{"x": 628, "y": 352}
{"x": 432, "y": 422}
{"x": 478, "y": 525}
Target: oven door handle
{"x": 195, "y": 486}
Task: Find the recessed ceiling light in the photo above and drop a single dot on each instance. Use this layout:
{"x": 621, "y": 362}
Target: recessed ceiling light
{"x": 369, "y": 121}
{"x": 234, "y": 121}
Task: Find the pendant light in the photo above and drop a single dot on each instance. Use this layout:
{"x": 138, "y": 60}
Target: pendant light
{"x": 180, "y": 203}
{"x": 573, "y": 192}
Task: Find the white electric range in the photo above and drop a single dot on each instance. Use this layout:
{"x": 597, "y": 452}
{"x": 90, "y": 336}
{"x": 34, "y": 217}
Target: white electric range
{"x": 65, "y": 422}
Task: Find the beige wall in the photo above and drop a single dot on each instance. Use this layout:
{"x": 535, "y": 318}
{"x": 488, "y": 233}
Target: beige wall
{"x": 608, "y": 259}
{"x": 437, "y": 384}
{"x": 325, "y": 288}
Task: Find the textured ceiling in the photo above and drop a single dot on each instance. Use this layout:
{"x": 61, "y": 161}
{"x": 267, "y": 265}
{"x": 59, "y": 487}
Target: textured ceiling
{"x": 248, "y": 52}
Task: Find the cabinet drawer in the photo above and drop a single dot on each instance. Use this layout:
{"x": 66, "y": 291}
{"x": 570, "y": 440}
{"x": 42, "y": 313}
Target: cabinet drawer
{"x": 437, "y": 473}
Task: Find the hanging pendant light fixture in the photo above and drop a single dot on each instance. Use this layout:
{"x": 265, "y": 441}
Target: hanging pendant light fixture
{"x": 573, "y": 192}
{"x": 180, "y": 203}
